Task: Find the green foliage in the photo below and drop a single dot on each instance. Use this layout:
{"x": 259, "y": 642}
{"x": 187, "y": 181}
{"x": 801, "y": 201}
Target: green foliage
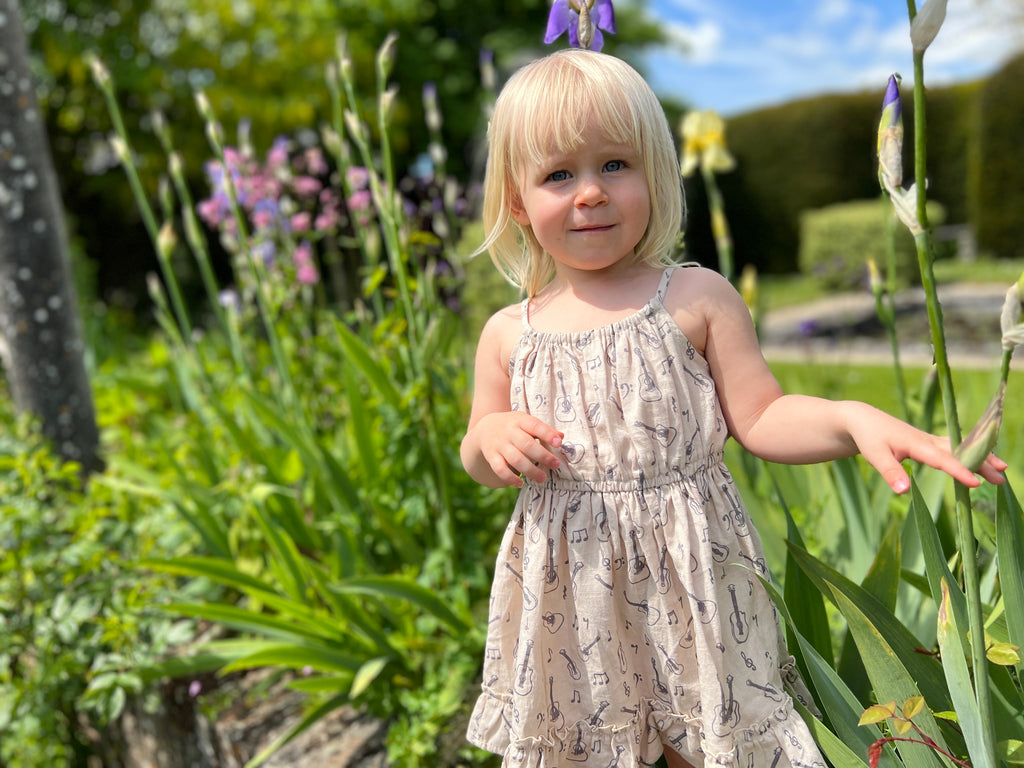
{"x": 837, "y": 242}
{"x": 78, "y": 620}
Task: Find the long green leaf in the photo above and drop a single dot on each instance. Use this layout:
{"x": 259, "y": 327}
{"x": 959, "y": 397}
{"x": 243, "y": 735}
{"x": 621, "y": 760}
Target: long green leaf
{"x": 358, "y": 354}
{"x": 809, "y": 615}
{"x": 837, "y": 702}
{"x": 923, "y": 668}
{"x": 308, "y": 720}
{"x": 835, "y": 749}
{"x": 250, "y": 621}
{"x": 297, "y": 657}
{"x": 890, "y": 679}
{"x": 218, "y": 569}
{"x": 403, "y": 589}
{"x": 954, "y": 648}
{"x": 854, "y": 500}
{"x": 288, "y": 563}
{"x": 1010, "y": 555}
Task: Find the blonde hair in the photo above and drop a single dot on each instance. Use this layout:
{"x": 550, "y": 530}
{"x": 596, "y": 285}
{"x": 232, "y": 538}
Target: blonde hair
{"x": 546, "y": 106}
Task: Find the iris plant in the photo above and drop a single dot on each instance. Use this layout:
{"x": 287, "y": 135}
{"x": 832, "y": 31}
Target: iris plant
{"x": 583, "y": 19}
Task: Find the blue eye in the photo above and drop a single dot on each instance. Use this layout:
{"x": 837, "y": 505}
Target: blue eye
{"x": 558, "y": 176}
{"x": 614, "y": 165}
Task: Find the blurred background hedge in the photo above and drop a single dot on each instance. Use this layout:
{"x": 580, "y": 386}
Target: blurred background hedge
{"x": 815, "y": 152}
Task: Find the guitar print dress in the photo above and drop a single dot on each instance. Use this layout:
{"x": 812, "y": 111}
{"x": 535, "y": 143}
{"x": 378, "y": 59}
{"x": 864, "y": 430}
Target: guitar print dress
{"x": 626, "y": 612}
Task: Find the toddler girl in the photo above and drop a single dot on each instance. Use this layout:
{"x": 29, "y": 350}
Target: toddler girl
{"x": 627, "y": 618}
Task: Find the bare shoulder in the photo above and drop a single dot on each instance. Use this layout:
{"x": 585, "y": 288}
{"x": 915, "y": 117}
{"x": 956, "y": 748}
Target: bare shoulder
{"x": 695, "y": 297}
{"x": 500, "y": 333}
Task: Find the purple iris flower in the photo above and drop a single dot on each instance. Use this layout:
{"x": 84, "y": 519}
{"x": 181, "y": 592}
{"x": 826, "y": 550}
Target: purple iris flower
{"x": 565, "y": 15}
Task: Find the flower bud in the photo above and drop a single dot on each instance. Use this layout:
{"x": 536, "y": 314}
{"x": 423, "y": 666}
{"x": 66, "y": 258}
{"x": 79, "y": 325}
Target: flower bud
{"x": 890, "y": 136}
{"x": 925, "y": 25}
{"x": 386, "y": 56}
{"x": 166, "y": 240}
{"x": 488, "y": 75}
{"x": 980, "y": 441}
{"x": 586, "y": 26}
{"x": 1011, "y": 319}
{"x": 100, "y": 73}
{"x": 387, "y": 103}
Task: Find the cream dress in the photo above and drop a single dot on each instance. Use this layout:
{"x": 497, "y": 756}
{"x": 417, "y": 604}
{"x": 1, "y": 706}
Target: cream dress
{"x": 627, "y": 613}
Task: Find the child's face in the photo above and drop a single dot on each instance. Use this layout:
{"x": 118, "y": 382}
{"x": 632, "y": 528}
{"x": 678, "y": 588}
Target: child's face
{"x": 589, "y": 207}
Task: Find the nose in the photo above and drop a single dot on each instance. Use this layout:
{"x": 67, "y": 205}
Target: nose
{"x": 590, "y": 192}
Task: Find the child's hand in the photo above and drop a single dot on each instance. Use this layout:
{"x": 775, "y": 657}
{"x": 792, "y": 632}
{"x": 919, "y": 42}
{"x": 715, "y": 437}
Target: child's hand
{"x": 885, "y": 441}
{"x": 516, "y": 445}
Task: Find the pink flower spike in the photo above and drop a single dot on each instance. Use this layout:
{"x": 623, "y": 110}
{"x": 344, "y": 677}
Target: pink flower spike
{"x": 306, "y": 186}
{"x": 304, "y": 253}
{"x": 358, "y": 178}
{"x": 315, "y": 162}
{"x": 301, "y": 221}
{"x": 307, "y": 275}
{"x": 195, "y": 688}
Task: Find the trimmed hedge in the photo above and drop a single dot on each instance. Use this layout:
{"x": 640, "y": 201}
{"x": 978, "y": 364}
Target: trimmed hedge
{"x": 837, "y": 241}
{"x": 817, "y": 152}
{"x": 996, "y": 178}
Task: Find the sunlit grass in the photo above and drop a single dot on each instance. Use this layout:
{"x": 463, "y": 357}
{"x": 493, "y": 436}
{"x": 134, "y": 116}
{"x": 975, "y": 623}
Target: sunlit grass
{"x": 777, "y": 291}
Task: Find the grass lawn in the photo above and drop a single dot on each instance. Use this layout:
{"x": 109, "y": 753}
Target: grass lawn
{"x": 786, "y": 290}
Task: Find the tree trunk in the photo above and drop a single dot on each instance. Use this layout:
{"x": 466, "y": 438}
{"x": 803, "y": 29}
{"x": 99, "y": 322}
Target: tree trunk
{"x": 41, "y": 342}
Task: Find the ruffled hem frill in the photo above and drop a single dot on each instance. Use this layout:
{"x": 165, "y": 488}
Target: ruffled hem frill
{"x": 779, "y": 739}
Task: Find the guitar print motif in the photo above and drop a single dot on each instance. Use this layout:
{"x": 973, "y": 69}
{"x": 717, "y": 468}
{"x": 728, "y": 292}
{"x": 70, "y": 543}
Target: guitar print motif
{"x": 737, "y": 618}
{"x": 523, "y": 684}
{"x": 555, "y": 716}
{"x": 570, "y": 665}
{"x": 578, "y": 751}
{"x": 529, "y": 599}
{"x": 638, "y": 570}
{"x": 661, "y": 433}
{"x": 704, "y": 384}
{"x": 648, "y": 387}
{"x": 551, "y": 577}
{"x": 769, "y": 690}
{"x": 727, "y": 716}
{"x": 565, "y": 411}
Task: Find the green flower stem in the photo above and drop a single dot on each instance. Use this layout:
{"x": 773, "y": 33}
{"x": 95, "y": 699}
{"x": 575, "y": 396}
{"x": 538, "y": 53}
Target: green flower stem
{"x": 890, "y": 314}
{"x": 719, "y": 223}
{"x": 106, "y": 86}
{"x": 964, "y": 512}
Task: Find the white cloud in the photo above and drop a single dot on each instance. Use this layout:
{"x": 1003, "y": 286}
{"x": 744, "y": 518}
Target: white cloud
{"x": 700, "y": 44}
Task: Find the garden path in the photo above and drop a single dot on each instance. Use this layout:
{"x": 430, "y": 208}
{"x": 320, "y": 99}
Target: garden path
{"x": 844, "y": 329}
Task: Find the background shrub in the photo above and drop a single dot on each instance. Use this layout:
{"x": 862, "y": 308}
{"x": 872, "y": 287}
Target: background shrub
{"x": 837, "y": 241}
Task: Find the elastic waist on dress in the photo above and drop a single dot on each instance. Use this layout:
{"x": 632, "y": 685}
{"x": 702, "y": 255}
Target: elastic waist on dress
{"x": 633, "y": 484}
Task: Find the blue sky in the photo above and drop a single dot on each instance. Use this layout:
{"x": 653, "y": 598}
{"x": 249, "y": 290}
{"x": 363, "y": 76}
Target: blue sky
{"x": 736, "y": 55}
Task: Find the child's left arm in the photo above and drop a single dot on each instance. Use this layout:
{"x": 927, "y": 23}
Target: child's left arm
{"x": 798, "y": 429}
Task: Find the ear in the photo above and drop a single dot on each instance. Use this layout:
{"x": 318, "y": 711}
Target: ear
{"x": 517, "y": 210}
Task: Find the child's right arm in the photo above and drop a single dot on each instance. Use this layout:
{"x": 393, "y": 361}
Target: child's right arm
{"x": 502, "y": 446}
